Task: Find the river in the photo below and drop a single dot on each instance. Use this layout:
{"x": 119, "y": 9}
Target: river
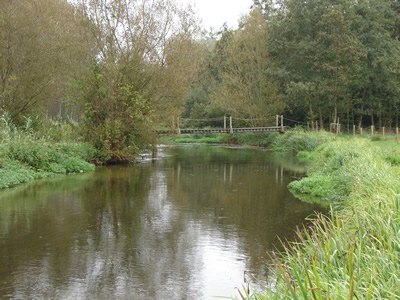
{"x": 192, "y": 224}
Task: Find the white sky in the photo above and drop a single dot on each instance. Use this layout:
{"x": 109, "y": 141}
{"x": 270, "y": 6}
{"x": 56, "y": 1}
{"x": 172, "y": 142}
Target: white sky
{"x": 214, "y": 13}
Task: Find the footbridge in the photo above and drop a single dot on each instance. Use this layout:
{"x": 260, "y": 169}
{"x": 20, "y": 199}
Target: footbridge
{"x": 228, "y": 125}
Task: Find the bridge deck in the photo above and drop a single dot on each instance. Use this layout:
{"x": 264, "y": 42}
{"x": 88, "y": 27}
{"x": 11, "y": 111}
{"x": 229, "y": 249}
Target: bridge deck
{"x": 227, "y": 130}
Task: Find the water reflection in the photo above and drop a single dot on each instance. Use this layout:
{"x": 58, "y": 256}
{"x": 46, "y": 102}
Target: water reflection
{"x": 183, "y": 227}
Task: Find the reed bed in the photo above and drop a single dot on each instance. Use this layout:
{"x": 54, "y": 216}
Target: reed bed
{"x": 354, "y": 253}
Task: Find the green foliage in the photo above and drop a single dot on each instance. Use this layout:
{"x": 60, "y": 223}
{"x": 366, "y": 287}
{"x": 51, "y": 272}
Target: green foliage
{"x": 24, "y": 157}
{"x": 54, "y": 129}
{"x": 259, "y": 139}
{"x": 354, "y": 252}
{"x": 116, "y": 118}
{"x": 337, "y": 59}
{"x": 46, "y": 156}
{"x": 264, "y": 139}
{"x": 299, "y": 140}
{"x": 200, "y": 138}
{"x": 13, "y": 173}
{"x": 392, "y": 158}
{"x": 334, "y": 168}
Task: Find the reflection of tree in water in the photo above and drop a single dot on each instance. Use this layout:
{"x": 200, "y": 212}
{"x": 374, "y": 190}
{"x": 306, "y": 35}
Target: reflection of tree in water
{"x": 60, "y": 229}
{"x": 153, "y": 230}
{"x": 252, "y": 197}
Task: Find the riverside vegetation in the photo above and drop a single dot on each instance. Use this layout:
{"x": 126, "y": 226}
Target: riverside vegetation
{"x": 355, "y": 251}
{"x": 27, "y": 154}
{"x": 123, "y": 69}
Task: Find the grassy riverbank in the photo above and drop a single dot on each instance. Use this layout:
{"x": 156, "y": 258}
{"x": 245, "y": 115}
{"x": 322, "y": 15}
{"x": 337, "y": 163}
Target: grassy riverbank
{"x": 355, "y": 252}
{"x": 27, "y": 154}
{"x": 292, "y": 141}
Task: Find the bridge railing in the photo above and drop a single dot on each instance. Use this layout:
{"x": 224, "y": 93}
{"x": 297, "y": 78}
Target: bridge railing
{"x": 227, "y": 122}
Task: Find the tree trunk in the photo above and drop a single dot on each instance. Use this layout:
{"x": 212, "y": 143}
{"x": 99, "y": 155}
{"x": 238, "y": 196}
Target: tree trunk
{"x": 311, "y": 112}
{"x": 321, "y": 120}
{"x": 362, "y": 107}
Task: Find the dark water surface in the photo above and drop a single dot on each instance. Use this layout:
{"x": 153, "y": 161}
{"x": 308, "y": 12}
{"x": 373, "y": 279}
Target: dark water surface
{"x": 185, "y": 226}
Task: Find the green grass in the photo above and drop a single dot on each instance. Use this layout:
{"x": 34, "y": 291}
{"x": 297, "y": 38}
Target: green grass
{"x": 298, "y": 140}
{"x": 292, "y": 141}
{"x": 355, "y": 252}
{"x": 210, "y": 138}
{"x": 261, "y": 139}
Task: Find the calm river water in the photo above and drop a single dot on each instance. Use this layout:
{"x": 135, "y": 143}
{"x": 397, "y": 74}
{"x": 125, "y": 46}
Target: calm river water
{"x": 185, "y": 226}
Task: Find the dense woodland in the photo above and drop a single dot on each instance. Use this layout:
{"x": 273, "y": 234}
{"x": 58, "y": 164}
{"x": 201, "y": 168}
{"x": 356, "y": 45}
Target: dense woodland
{"x": 122, "y": 69}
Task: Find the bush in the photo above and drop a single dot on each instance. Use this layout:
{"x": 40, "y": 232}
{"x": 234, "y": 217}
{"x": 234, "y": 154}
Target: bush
{"x": 51, "y": 157}
{"x": 299, "y": 140}
{"x": 24, "y": 157}
{"x": 260, "y": 139}
{"x": 13, "y": 173}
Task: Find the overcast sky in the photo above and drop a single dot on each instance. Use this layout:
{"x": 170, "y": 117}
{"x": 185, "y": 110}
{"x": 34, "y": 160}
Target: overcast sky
{"x": 214, "y": 13}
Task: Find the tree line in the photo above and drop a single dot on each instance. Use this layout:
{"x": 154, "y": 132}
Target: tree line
{"x": 124, "y": 68}
{"x": 314, "y": 60}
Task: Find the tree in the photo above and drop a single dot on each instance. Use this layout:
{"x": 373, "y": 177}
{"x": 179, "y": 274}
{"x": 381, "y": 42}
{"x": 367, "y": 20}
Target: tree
{"x": 337, "y": 57}
{"x": 337, "y": 52}
{"x": 245, "y": 87}
{"x": 41, "y": 46}
{"x": 142, "y": 50}
{"x": 377, "y": 84}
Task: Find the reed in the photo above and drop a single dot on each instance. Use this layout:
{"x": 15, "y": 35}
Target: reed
{"x": 354, "y": 253}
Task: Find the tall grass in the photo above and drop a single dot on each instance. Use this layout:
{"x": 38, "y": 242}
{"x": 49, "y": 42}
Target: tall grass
{"x": 355, "y": 252}
{"x": 298, "y": 139}
{"x": 27, "y": 154}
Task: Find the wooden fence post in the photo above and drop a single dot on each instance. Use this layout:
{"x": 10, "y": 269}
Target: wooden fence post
{"x": 224, "y": 122}
{"x": 277, "y": 120}
{"x": 230, "y": 124}
{"x": 383, "y": 133}
{"x": 372, "y": 130}
{"x": 361, "y": 131}
{"x": 354, "y": 130}
{"x": 179, "y": 129}
{"x": 282, "y": 123}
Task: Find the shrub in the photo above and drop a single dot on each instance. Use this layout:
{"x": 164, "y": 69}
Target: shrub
{"x": 13, "y": 173}
{"x": 77, "y": 165}
{"x": 24, "y": 157}
{"x": 260, "y": 139}
{"x": 299, "y": 140}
